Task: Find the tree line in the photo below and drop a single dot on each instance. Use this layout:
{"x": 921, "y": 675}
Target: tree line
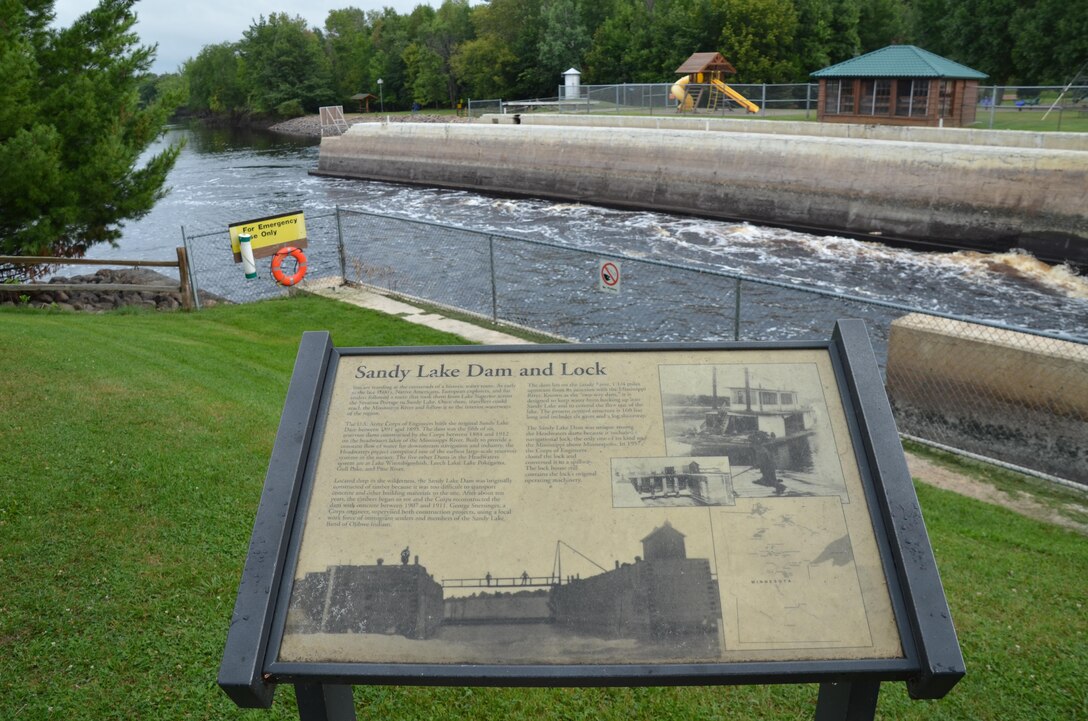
{"x": 520, "y": 48}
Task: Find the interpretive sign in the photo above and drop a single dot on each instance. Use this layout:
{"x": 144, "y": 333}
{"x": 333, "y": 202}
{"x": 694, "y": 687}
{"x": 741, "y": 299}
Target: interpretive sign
{"x": 267, "y": 235}
{"x": 574, "y": 514}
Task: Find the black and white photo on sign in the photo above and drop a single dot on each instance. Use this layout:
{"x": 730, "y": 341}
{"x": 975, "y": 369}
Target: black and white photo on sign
{"x": 769, "y": 420}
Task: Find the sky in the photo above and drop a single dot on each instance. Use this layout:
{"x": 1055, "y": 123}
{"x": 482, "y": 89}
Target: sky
{"x": 182, "y": 27}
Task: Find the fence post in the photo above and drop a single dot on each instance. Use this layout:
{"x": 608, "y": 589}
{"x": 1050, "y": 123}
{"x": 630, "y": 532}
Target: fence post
{"x": 808, "y": 98}
{"x": 763, "y": 101}
{"x": 494, "y": 291}
{"x": 195, "y": 289}
{"x": 340, "y": 248}
{"x": 993, "y": 106}
{"x": 736, "y": 312}
{"x": 183, "y": 279}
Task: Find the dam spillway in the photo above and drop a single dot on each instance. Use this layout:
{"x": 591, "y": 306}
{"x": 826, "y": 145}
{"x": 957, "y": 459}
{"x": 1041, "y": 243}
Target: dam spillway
{"x": 935, "y": 191}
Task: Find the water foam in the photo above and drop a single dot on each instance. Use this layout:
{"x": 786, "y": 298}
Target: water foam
{"x": 1022, "y": 265}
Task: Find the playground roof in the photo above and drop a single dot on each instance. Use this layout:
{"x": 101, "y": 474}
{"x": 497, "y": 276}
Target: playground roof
{"x": 706, "y": 63}
{"x": 899, "y": 61}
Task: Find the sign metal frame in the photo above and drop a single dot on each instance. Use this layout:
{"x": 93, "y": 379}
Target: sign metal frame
{"x": 931, "y": 663}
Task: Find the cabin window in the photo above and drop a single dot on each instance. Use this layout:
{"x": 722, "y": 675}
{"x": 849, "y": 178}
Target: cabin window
{"x": 920, "y": 99}
{"x": 876, "y": 97}
{"x": 832, "y": 89}
{"x": 912, "y": 98}
{"x": 740, "y": 397}
{"x": 786, "y": 399}
{"x": 839, "y": 97}
{"x": 768, "y": 398}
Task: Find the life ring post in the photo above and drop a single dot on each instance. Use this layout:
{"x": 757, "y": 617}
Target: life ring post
{"x": 249, "y": 265}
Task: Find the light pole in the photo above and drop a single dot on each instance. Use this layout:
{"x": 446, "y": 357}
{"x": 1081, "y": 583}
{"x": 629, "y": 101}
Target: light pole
{"x": 381, "y": 94}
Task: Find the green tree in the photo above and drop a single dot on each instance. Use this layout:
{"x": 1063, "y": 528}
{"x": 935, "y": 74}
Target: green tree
{"x": 979, "y": 34}
{"x": 1051, "y": 41}
{"x": 814, "y": 33}
{"x": 284, "y": 65}
{"x": 350, "y": 51}
{"x": 758, "y": 38}
{"x": 516, "y": 24}
{"x": 644, "y": 42}
{"x": 451, "y": 26}
{"x": 72, "y": 129}
{"x": 172, "y": 85}
{"x": 484, "y": 67}
{"x": 927, "y": 24}
{"x": 215, "y": 80}
{"x": 564, "y": 38}
{"x": 845, "y": 41}
{"x": 427, "y": 77}
{"x": 621, "y": 48}
{"x": 882, "y": 22}
{"x": 391, "y": 35}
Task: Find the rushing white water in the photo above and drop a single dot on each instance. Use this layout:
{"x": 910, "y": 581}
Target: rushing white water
{"x": 222, "y": 178}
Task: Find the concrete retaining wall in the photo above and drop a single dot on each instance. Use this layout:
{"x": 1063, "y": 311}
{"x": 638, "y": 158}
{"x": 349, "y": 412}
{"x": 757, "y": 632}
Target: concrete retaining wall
{"x": 907, "y": 134}
{"x": 1006, "y": 395}
{"x": 991, "y": 198}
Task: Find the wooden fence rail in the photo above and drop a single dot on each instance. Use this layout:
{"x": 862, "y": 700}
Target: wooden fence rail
{"x": 182, "y": 264}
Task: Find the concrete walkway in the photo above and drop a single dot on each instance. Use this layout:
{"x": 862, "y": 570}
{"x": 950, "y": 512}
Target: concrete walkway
{"x": 412, "y": 314}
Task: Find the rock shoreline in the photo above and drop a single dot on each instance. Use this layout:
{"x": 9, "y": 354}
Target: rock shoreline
{"x": 309, "y": 126}
{"x": 100, "y": 301}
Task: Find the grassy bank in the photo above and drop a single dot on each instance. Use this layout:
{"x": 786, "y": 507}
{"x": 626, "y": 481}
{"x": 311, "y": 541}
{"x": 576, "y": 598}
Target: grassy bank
{"x": 134, "y": 447}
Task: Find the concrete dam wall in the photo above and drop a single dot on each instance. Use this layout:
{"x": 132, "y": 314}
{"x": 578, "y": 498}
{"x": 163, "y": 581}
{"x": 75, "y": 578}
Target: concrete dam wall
{"x": 970, "y": 196}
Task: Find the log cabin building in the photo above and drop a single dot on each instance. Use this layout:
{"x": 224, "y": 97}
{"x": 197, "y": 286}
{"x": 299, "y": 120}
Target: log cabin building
{"x": 898, "y": 85}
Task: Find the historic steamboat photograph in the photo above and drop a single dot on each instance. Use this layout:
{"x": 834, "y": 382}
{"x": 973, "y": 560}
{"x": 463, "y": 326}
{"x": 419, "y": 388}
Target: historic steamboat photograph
{"x": 768, "y": 422}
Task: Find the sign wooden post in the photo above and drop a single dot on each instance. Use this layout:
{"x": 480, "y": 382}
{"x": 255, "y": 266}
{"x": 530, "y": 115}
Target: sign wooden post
{"x": 589, "y": 515}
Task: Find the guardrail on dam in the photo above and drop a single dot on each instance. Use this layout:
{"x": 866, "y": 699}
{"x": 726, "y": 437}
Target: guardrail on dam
{"x": 966, "y": 196}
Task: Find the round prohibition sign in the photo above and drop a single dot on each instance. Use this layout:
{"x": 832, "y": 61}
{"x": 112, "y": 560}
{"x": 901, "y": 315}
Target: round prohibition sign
{"x": 610, "y": 274}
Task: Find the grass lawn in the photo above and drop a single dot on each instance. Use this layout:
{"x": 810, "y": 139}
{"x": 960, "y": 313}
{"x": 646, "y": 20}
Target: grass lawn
{"x": 134, "y": 449}
{"x": 1071, "y": 120}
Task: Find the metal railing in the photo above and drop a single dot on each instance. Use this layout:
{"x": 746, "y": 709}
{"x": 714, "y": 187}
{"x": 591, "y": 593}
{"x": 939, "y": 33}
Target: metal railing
{"x": 554, "y": 288}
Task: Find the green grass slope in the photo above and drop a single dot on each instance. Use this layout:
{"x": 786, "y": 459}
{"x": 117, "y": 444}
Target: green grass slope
{"x": 133, "y": 451}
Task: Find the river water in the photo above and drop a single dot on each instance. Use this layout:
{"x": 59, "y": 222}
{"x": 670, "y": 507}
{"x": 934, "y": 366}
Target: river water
{"x": 223, "y": 177}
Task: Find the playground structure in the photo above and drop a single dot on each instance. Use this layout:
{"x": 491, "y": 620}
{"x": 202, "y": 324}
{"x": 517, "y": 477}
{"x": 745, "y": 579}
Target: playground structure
{"x": 702, "y": 87}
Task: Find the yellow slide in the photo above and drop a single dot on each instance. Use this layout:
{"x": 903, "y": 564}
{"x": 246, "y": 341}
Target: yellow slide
{"x": 681, "y": 95}
{"x": 734, "y": 95}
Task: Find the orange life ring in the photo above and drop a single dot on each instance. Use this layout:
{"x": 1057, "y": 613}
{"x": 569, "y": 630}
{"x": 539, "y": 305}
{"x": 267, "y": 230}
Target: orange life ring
{"x": 277, "y": 261}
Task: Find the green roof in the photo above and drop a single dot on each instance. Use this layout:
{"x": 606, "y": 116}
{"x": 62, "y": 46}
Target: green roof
{"x": 899, "y": 61}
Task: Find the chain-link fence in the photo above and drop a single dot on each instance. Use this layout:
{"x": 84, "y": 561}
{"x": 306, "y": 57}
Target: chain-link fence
{"x": 1038, "y": 107}
{"x": 657, "y": 98}
{"x": 994, "y": 392}
{"x": 216, "y": 275}
{"x": 710, "y": 99}
{"x": 476, "y": 108}
{"x": 935, "y": 364}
